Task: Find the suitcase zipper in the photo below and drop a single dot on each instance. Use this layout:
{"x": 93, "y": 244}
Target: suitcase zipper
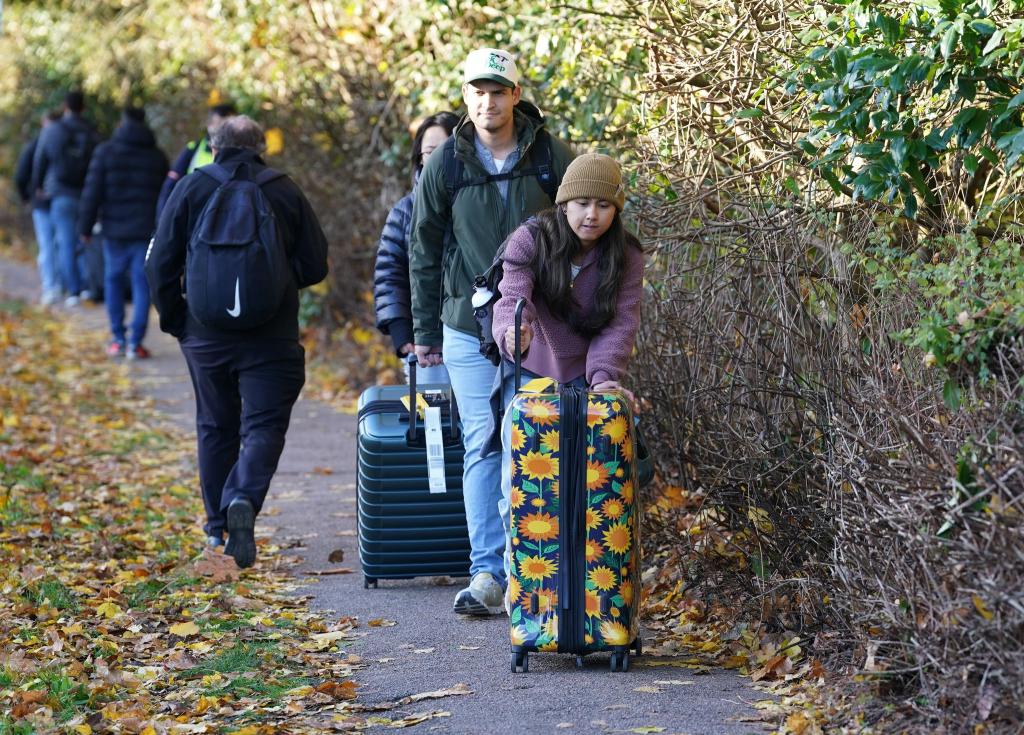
{"x": 572, "y": 522}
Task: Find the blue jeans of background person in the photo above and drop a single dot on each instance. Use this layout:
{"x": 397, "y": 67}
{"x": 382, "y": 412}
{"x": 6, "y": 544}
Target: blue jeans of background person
{"x": 123, "y": 260}
{"x": 472, "y": 377}
{"x": 508, "y": 392}
{"x": 49, "y": 272}
{"x": 245, "y": 390}
{"x": 64, "y": 215}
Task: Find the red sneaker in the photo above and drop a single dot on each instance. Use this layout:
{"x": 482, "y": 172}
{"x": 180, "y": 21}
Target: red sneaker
{"x": 115, "y": 349}
{"x": 138, "y": 353}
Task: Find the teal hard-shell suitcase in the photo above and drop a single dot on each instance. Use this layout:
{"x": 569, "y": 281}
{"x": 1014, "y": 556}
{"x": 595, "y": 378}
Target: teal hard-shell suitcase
{"x": 404, "y": 529}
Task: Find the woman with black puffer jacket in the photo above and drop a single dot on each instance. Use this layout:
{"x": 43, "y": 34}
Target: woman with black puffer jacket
{"x": 391, "y": 272}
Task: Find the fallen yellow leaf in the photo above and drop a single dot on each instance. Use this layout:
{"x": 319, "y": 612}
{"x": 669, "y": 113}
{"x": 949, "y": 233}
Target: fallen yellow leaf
{"x": 108, "y": 609}
{"x": 184, "y": 629}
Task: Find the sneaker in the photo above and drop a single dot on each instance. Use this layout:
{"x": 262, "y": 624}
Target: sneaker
{"x": 484, "y": 596}
{"x": 241, "y": 523}
{"x": 115, "y": 349}
{"x": 138, "y": 353}
{"x": 50, "y": 298}
{"x": 214, "y": 541}
{"x": 71, "y": 302}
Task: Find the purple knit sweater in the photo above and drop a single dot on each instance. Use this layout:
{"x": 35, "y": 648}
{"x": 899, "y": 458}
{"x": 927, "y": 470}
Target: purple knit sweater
{"x": 556, "y": 350}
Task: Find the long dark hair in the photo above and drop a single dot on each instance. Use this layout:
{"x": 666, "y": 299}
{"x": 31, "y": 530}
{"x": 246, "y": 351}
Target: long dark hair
{"x": 447, "y": 120}
{"x": 556, "y": 244}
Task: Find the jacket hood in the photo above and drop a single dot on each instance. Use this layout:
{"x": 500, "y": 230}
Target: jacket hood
{"x": 134, "y": 133}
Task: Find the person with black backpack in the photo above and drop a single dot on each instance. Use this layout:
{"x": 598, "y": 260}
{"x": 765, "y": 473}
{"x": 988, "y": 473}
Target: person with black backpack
{"x": 58, "y": 171}
{"x": 235, "y": 243}
{"x": 500, "y": 166}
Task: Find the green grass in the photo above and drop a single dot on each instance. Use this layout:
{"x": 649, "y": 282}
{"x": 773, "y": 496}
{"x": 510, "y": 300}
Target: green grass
{"x": 54, "y": 592}
{"x": 239, "y": 658}
{"x": 14, "y": 727}
{"x": 69, "y": 697}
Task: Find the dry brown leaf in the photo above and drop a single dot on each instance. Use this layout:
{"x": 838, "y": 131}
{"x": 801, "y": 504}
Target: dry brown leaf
{"x": 338, "y": 690}
{"x": 337, "y": 556}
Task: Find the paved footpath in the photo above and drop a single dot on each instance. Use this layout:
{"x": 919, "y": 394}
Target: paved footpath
{"x": 313, "y": 501}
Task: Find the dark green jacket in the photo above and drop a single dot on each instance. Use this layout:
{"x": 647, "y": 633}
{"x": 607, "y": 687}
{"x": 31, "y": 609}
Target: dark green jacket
{"x": 442, "y": 282}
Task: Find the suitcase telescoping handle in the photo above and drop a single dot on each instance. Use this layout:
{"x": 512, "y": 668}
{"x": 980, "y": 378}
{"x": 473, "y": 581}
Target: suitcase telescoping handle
{"x": 453, "y": 406}
{"x": 520, "y": 304}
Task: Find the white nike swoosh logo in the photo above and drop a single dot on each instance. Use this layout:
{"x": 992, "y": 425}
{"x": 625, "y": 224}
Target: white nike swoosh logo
{"x": 235, "y": 312}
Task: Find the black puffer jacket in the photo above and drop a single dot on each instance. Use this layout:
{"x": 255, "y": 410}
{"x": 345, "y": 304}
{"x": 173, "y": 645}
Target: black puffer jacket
{"x": 391, "y": 274}
{"x": 124, "y": 180}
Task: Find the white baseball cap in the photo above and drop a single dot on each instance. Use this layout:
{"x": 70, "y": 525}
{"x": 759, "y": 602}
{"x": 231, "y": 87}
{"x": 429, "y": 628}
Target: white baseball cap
{"x": 493, "y": 64}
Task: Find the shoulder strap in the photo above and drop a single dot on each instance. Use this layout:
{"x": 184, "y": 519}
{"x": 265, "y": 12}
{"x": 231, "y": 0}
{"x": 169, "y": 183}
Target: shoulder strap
{"x": 221, "y": 176}
{"x": 266, "y": 176}
{"x": 542, "y": 159}
{"x": 453, "y": 169}
{"x": 216, "y": 172}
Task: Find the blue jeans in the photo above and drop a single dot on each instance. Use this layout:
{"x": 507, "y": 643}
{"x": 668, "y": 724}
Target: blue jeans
{"x": 472, "y": 377}
{"x": 126, "y": 259}
{"x": 64, "y": 215}
{"x": 434, "y": 375}
{"x": 49, "y": 272}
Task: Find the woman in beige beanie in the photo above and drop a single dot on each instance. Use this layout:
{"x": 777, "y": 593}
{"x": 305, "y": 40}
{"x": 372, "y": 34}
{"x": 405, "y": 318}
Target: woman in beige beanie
{"x": 580, "y": 273}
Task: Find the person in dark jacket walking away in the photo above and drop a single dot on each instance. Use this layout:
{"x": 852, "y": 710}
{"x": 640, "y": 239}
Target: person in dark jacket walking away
{"x": 195, "y": 154}
{"x": 391, "y": 272}
{"x": 499, "y": 147}
{"x": 46, "y": 260}
{"x": 59, "y": 167}
{"x": 121, "y": 188}
{"x": 246, "y": 380}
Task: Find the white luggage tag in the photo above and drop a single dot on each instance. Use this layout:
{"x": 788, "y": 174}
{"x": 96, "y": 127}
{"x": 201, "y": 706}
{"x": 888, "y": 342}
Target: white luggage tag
{"x": 435, "y": 450}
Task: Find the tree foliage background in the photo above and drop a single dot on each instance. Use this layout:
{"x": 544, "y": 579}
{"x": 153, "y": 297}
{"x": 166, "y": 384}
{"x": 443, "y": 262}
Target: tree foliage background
{"x": 830, "y": 193}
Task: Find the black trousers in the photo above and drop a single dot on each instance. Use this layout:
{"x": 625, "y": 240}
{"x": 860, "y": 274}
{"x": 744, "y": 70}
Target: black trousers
{"x": 245, "y": 391}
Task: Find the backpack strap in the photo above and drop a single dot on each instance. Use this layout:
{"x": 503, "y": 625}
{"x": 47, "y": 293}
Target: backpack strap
{"x": 453, "y": 169}
{"x": 266, "y": 176}
{"x": 222, "y": 176}
{"x": 216, "y": 172}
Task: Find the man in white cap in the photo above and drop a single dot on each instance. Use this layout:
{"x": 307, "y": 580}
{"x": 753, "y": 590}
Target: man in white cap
{"x": 498, "y": 168}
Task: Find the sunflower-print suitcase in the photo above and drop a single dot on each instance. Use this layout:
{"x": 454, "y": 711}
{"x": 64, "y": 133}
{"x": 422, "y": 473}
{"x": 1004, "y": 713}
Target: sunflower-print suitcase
{"x": 574, "y": 584}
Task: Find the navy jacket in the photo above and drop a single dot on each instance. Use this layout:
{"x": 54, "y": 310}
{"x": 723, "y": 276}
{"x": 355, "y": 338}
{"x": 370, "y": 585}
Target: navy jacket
{"x": 165, "y": 261}
{"x": 23, "y": 176}
{"x": 391, "y": 274}
{"x": 124, "y": 180}
{"x": 48, "y": 161}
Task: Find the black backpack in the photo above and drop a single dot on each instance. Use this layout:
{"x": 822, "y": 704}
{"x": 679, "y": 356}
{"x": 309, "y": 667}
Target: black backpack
{"x": 76, "y": 151}
{"x": 486, "y": 284}
{"x": 236, "y": 269}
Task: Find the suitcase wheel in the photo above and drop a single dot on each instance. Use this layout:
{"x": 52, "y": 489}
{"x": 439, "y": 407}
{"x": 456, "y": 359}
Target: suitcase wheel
{"x": 520, "y": 662}
{"x": 579, "y": 662}
{"x": 638, "y": 647}
{"x": 369, "y": 582}
{"x": 620, "y": 661}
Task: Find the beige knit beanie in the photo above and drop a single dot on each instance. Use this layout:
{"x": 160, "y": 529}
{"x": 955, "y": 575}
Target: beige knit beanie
{"x": 593, "y": 176}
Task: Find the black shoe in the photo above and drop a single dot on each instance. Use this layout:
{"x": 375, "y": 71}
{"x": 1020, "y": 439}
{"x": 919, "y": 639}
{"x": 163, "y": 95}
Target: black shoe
{"x": 241, "y": 542}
